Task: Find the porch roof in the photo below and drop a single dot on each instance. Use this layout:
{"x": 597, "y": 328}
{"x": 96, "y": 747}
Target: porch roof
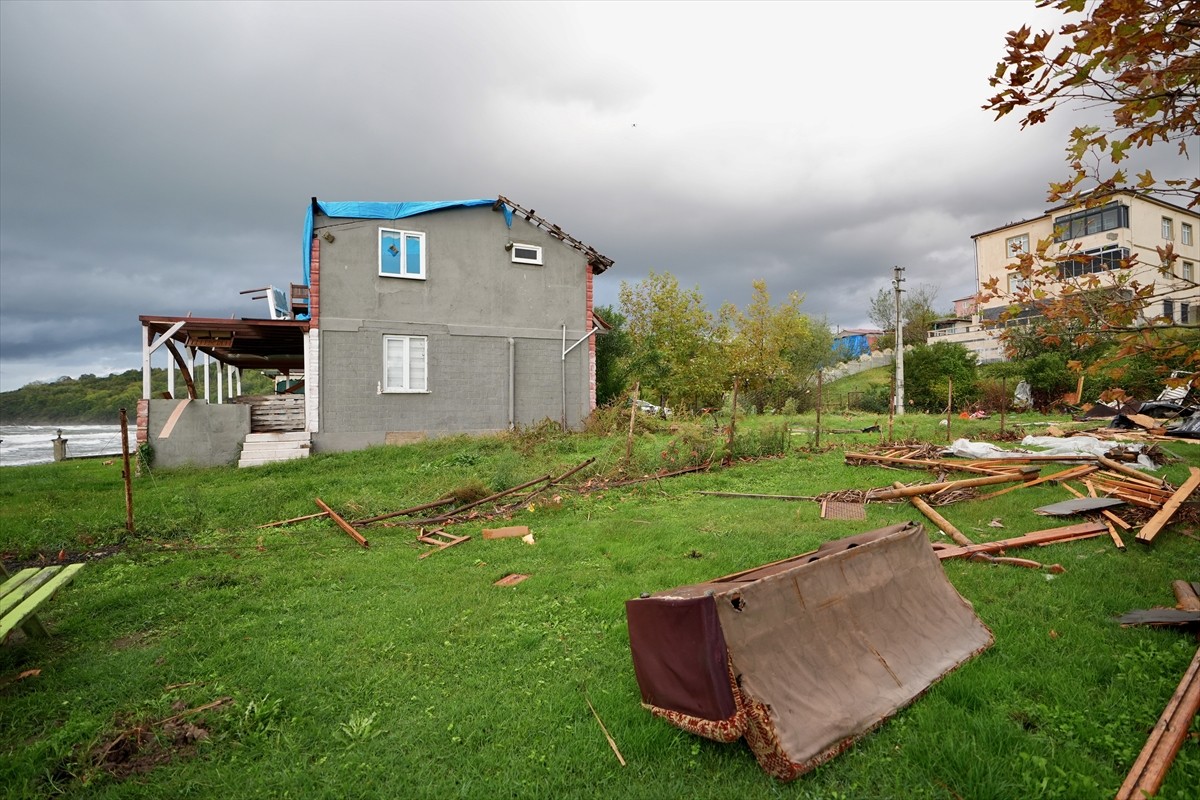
{"x": 243, "y": 343}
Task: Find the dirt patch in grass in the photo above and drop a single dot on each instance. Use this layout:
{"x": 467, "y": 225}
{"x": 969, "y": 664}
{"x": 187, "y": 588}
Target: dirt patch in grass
{"x": 12, "y": 563}
{"x": 138, "y": 748}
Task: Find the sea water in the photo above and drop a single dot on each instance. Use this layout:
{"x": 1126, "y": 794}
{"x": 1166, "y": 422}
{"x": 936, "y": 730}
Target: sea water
{"x": 34, "y": 444}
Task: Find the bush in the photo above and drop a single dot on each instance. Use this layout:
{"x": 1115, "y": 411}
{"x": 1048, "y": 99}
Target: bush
{"x": 928, "y": 370}
{"x": 1049, "y": 379}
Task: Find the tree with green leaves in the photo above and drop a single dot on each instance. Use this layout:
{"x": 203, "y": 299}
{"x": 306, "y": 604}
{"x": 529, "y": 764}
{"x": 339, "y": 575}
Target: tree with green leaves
{"x": 916, "y": 309}
{"x": 676, "y": 347}
{"x": 1133, "y": 67}
{"x": 774, "y": 350}
{"x": 612, "y": 356}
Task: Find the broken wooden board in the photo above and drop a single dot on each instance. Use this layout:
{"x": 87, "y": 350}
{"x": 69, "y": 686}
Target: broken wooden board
{"x": 440, "y": 540}
{"x": 511, "y": 580}
{"x": 513, "y": 531}
{"x": 1156, "y": 523}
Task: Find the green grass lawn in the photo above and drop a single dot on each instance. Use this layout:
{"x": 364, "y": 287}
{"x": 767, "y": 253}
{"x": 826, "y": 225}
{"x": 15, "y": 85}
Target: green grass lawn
{"x": 373, "y": 673}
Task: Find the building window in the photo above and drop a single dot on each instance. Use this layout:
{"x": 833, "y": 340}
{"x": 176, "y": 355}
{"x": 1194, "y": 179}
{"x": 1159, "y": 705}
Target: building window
{"x": 1185, "y": 233}
{"x": 1094, "y": 220}
{"x": 1189, "y": 271}
{"x": 405, "y": 364}
{"x": 526, "y": 254}
{"x": 1184, "y": 312}
{"x": 1101, "y": 259}
{"x": 1017, "y": 245}
{"x": 1016, "y": 282}
{"x": 1168, "y": 228}
{"x": 401, "y": 254}
{"x": 1169, "y": 309}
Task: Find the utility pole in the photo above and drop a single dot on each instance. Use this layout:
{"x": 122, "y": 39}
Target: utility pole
{"x": 897, "y": 279}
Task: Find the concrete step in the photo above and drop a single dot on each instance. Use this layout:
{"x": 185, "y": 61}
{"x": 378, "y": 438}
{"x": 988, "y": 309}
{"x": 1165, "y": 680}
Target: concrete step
{"x": 269, "y": 448}
{"x": 283, "y": 436}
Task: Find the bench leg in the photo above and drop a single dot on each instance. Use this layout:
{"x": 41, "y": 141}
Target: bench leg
{"x": 34, "y": 628}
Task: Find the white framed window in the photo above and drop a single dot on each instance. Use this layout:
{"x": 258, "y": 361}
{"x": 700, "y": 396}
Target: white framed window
{"x": 1016, "y": 282}
{"x": 401, "y": 254}
{"x": 526, "y": 253}
{"x": 1017, "y": 245}
{"x": 1168, "y": 228}
{"x": 405, "y": 364}
{"x": 1185, "y": 233}
{"x": 1189, "y": 271}
{"x": 1169, "y": 309}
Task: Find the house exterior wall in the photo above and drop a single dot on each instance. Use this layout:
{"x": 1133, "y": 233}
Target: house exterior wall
{"x": 1141, "y": 237}
{"x": 471, "y": 302}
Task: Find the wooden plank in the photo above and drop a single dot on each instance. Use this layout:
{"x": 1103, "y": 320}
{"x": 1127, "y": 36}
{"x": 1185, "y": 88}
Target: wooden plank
{"x": 16, "y": 580}
{"x": 30, "y": 605}
{"x": 1156, "y": 523}
{"x": 171, "y": 420}
{"x": 1049, "y": 536}
{"x": 931, "y": 488}
{"x": 1166, "y": 738}
{"x": 1065, "y": 475}
{"x": 937, "y": 519}
{"x": 18, "y": 593}
{"x": 1185, "y": 595}
{"x": 1128, "y": 471}
{"x": 341, "y": 523}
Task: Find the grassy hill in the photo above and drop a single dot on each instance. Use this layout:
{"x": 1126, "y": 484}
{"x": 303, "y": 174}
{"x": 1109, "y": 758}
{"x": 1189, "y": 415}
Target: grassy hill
{"x": 90, "y": 399}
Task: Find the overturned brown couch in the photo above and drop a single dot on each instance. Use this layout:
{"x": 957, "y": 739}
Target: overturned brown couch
{"x": 804, "y": 656}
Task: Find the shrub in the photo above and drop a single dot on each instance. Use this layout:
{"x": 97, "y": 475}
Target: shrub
{"x": 928, "y": 369}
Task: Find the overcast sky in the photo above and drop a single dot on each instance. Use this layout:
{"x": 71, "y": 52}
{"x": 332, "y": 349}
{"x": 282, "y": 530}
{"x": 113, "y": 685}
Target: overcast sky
{"x": 157, "y": 158}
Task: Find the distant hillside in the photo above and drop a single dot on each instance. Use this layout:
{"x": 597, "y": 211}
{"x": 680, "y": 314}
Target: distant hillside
{"x": 91, "y": 400}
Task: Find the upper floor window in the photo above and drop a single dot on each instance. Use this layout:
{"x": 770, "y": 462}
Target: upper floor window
{"x": 1185, "y": 233}
{"x": 1093, "y": 220}
{"x": 1189, "y": 271}
{"x": 526, "y": 253}
{"x": 405, "y": 364}
{"x": 1168, "y": 228}
{"x": 1016, "y": 282}
{"x": 401, "y": 254}
{"x": 1089, "y": 261}
{"x": 1016, "y": 245}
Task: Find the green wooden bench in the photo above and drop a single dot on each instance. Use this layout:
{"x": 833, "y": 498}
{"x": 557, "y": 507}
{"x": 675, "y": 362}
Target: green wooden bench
{"x": 23, "y": 594}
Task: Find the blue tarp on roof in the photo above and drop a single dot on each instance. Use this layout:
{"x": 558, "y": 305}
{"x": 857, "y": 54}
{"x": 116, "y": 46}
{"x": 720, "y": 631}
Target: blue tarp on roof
{"x": 360, "y": 210}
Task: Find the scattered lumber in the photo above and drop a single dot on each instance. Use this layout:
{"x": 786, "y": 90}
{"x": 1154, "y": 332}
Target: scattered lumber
{"x": 1156, "y": 523}
{"x": 489, "y": 499}
{"x": 1066, "y": 475}
{"x": 930, "y": 488}
{"x": 1129, "y": 472}
{"x": 1165, "y": 740}
{"x": 1056, "y": 569}
{"x": 294, "y": 519}
{"x": 1066, "y": 533}
{"x": 445, "y": 501}
{"x": 1109, "y": 517}
{"x": 440, "y": 541}
{"x": 341, "y": 523}
{"x": 936, "y": 518}
{"x": 1187, "y": 595}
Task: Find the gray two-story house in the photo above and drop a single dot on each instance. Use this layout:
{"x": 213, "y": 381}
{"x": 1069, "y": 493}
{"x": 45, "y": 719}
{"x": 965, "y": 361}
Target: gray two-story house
{"x": 413, "y": 320}
{"x": 435, "y": 318}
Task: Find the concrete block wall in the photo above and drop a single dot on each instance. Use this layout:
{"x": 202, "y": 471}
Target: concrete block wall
{"x": 205, "y": 435}
{"x": 468, "y": 386}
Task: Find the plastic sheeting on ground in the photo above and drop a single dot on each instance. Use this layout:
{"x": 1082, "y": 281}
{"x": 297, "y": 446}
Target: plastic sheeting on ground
{"x": 1047, "y": 446}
